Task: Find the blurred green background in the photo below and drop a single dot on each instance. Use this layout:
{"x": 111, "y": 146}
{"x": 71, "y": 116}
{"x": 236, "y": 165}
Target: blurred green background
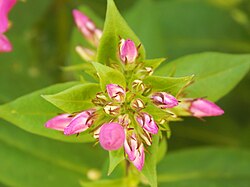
{"x": 41, "y": 36}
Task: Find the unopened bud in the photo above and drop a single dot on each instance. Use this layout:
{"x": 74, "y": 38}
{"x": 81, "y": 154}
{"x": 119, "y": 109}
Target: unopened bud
{"x": 137, "y": 104}
{"x": 116, "y": 92}
{"x": 124, "y": 120}
{"x": 112, "y": 136}
{"x": 85, "y": 53}
{"x": 100, "y": 99}
{"x": 164, "y": 100}
{"x": 204, "y": 108}
{"x": 112, "y": 109}
{"x": 128, "y": 51}
{"x": 138, "y": 86}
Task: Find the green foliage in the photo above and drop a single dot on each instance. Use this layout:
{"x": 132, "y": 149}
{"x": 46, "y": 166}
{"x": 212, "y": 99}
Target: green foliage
{"x": 115, "y": 26}
{"x": 28, "y": 160}
{"x": 115, "y": 157}
{"x": 75, "y": 99}
{"x": 216, "y": 74}
{"x": 168, "y": 84}
{"x": 30, "y": 113}
{"x": 109, "y": 75}
{"x": 206, "y": 167}
{"x": 149, "y": 169}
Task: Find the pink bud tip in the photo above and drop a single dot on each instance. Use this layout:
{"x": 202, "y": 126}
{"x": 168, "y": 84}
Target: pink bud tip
{"x": 135, "y": 151}
{"x": 164, "y": 100}
{"x": 115, "y": 92}
{"x": 84, "y": 24}
{"x": 111, "y": 136}
{"x": 5, "y": 45}
{"x": 128, "y": 51}
{"x": 59, "y": 122}
{"x": 203, "y": 108}
{"x": 80, "y": 122}
{"x": 147, "y": 122}
{"x": 5, "y": 7}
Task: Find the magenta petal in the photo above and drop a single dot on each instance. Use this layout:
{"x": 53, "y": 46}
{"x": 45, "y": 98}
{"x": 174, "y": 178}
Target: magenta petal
{"x": 59, "y": 122}
{"x": 5, "y": 45}
{"x": 128, "y": 51}
{"x": 130, "y": 146}
{"x": 140, "y": 158}
{"x": 147, "y": 122}
{"x": 205, "y": 108}
{"x": 5, "y": 7}
{"x": 115, "y": 92}
{"x": 79, "y": 123}
{"x": 164, "y": 100}
{"x": 111, "y": 136}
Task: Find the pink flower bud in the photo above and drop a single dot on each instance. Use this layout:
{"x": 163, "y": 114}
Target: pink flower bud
{"x": 87, "y": 27}
{"x": 111, "y": 136}
{"x": 137, "y": 104}
{"x": 5, "y": 7}
{"x": 164, "y": 100}
{"x": 116, "y": 92}
{"x": 135, "y": 151}
{"x": 147, "y": 122}
{"x": 203, "y": 108}
{"x": 128, "y": 51}
{"x": 85, "y": 53}
{"x": 80, "y": 122}
{"x": 59, "y": 122}
{"x": 5, "y": 45}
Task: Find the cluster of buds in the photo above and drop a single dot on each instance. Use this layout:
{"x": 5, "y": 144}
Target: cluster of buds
{"x": 5, "y": 7}
{"x": 120, "y": 118}
{"x": 90, "y": 32}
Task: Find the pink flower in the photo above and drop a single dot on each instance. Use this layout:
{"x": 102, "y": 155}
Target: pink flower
{"x": 59, "y": 122}
{"x": 87, "y": 27}
{"x": 71, "y": 124}
{"x": 128, "y": 51}
{"x": 116, "y": 92}
{"x": 80, "y": 122}
{"x": 203, "y": 108}
{"x": 5, "y": 45}
{"x": 147, "y": 122}
{"x": 164, "y": 100}
{"x": 5, "y": 7}
{"x": 135, "y": 151}
{"x": 111, "y": 136}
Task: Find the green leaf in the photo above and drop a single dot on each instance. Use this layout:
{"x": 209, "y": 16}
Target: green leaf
{"x": 179, "y": 31}
{"x": 206, "y": 167}
{"x": 28, "y": 160}
{"x": 106, "y": 183}
{"x": 30, "y": 113}
{"x": 154, "y": 63}
{"x": 149, "y": 169}
{"x": 216, "y": 73}
{"x": 109, "y": 75}
{"x": 171, "y": 85}
{"x": 115, "y": 26}
{"x": 75, "y": 99}
{"x": 162, "y": 149}
{"x": 115, "y": 157}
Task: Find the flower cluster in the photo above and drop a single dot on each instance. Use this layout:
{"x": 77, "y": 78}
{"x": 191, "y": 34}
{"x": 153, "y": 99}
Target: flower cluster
{"x": 5, "y": 7}
{"x": 120, "y": 118}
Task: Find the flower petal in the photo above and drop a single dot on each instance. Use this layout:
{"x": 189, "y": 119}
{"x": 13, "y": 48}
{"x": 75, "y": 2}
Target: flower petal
{"x": 59, "y": 122}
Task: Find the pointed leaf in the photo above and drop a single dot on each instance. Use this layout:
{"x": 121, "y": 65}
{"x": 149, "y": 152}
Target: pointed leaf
{"x": 115, "y": 26}
{"x": 149, "y": 169}
{"x": 115, "y": 157}
{"x": 31, "y": 111}
{"x": 154, "y": 63}
{"x": 109, "y": 75}
{"x": 216, "y": 73}
{"x": 75, "y": 99}
{"x": 171, "y": 85}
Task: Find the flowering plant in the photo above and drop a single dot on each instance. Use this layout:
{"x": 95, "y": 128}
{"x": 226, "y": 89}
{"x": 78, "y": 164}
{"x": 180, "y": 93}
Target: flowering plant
{"x": 126, "y": 102}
